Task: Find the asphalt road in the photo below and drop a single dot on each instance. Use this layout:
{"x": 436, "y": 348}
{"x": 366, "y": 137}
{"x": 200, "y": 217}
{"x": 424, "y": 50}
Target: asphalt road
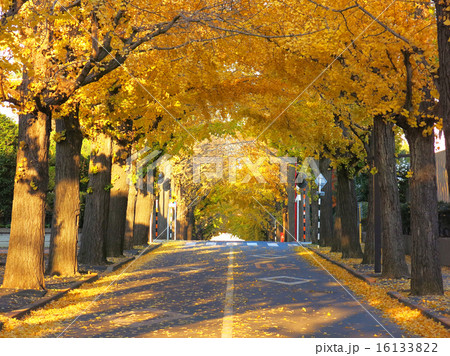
{"x": 219, "y": 289}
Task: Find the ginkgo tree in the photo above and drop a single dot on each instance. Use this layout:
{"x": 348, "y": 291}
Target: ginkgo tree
{"x": 442, "y": 12}
{"x": 399, "y": 86}
{"x": 231, "y": 185}
{"x": 379, "y": 58}
{"x": 292, "y": 75}
{"x": 389, "y": 73}
{"x": 59, "y": 57}
{"x": 64, "y": 46}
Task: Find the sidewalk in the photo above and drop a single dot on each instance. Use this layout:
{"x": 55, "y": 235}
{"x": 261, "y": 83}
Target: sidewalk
{"x": 16, "y": 303}
{"x": 434, "y": 307}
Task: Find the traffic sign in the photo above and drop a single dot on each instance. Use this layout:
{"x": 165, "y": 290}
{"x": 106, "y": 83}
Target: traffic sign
{"x": 321, "y": 181}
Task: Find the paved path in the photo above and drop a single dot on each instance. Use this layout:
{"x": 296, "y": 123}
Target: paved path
{"x": 208, "y": 289}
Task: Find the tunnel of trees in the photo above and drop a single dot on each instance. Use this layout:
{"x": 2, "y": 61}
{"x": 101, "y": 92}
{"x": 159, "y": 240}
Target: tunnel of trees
{"x": 124, "y": 108}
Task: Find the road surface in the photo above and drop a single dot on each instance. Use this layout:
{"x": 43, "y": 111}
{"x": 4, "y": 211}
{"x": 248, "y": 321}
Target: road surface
{"x": 220, "y": 289}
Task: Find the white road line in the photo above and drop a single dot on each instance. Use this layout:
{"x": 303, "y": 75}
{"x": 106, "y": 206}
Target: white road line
{"x": 272, "y": 244}
{"x": 227, "y": 326}
{"x": 279, "y": 279}
{"x": 252, "y": 244}
{"x": 191, "y": 244}
{"x": 211, "y": 244}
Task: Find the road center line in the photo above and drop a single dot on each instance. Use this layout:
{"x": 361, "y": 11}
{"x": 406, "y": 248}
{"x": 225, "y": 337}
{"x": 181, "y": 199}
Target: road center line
{"x": 227, "y": 326}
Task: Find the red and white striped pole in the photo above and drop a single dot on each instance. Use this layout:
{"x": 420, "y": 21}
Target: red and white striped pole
{"x": 304, "y": 214}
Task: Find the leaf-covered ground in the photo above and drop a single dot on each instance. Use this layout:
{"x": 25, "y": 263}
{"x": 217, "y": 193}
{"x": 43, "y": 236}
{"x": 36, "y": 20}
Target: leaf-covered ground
{"x": 376, "y": 295}
{"x": 11, "y": 299}
{"x": 56, "y": 316}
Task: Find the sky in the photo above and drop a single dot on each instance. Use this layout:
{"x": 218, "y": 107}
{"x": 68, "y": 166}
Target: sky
{"x": 8, "y": 112}
{"x": 439, "y": 143}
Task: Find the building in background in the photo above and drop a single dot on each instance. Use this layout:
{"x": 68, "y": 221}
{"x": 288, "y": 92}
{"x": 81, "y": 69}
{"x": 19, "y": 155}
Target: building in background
{"x": 441, "y": 171}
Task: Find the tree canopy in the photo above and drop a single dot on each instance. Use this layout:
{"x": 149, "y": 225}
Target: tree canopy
{"x": 287, "y": 78}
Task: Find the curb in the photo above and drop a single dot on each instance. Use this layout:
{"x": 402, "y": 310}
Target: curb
{"x": 151, "y": 248}
{"x": 148, "y": 249}
{"x": 368, "y": 280}
{"x": 427, "y": 312}
{"x": 117, "y": 265}
{"x": 19, "y": 313}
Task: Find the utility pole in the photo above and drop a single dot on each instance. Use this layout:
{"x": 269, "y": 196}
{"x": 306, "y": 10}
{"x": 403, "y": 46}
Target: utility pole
{"x": 320, "y": 181}
{"x": 297, "y": 215}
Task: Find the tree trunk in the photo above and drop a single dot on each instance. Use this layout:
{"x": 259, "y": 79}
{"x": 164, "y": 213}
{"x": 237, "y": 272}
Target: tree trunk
{"x": 337, "y": 232}
{"x": 25, "y": 261}
{"x": 285, "y": 222}
{"x": 92, "y": 249}
{"x": 326, "y": 205}
{"x": 182, "y": 219}
{"x": 278, "y": 231}
{"x": 167, "y": 193}
{"x": 117, "y": 201}
{"x": 144, "y": 207}
{"x": 64, "y": 237}
{"x": 426, "y": 277}
{"x": 153, "y": 227}
{"x": 348, "y": 211}
{"x": 191, "y": 223}
{"x": 278, "y": 223}
{"x": 128, "y": 242}
{"x": 369, "y": 243}
{"x": 393, "y": 262}
{"x": 129, "y": 220}
{"x": 182, "y": 222}
{"x": 337, "y": 226}
{"x": 443, "y": 36}
{"x": 163, "y": 208}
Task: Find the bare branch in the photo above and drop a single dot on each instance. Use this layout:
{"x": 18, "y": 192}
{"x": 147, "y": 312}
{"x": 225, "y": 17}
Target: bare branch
{"x": 12, "y": 11}
{"x": 386, "y": 27}
{"x": 251, "y": 34}
{"x": 202, "y": 40}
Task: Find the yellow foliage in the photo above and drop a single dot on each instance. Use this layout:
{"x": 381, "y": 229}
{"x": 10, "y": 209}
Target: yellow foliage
{"x": 376, "y": 295}
{"x": 59, "y": 136}
{"x": 57, "y": 315}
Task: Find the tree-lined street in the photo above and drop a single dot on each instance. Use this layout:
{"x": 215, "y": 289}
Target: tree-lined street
{"x": 274, "y": 122}
{"x": 224, "y": 289}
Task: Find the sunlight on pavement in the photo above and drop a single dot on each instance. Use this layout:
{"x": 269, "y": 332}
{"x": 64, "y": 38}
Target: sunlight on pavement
{"x": 226, "y": 237}
{"x": 407, "y": 318}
